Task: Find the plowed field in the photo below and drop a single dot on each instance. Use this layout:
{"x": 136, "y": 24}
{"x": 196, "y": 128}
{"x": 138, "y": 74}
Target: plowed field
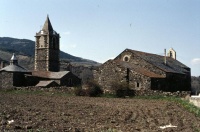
{"x": 38, "y": 112}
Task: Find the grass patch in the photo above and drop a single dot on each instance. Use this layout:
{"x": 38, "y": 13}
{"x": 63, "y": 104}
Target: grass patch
{"x": 185, "y": 103}
{"x": 106, "y": 95}
{"x": 189, "y": 106}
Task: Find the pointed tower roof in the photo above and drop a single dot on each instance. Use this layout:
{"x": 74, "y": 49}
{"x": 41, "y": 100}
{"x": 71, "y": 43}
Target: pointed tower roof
{"x": 47, "y": 25}
{"x": 13, "y": 57}
{"x": 13, "y": 60}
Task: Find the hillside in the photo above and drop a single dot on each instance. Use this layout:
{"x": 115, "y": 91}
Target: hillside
{"x": 24, "y": 48}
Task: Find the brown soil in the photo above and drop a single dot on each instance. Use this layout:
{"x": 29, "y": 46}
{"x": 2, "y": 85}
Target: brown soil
{"x": 36, "y": 112}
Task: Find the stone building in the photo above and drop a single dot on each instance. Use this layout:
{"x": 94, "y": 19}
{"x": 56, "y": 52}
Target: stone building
{"x": 145, "y": 71}
{"x": 47, "y": 62}
{"x": 13, "y": 75}
{"x": 46, "y": 68}
{"x": 61, "y": 78}
{"x": 47, "y": 48}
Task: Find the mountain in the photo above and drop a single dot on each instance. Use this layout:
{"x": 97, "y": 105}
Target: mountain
{"x": 25, "y": 50}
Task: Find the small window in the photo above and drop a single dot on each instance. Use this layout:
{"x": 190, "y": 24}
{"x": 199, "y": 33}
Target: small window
{"x": 127, "y": 75}
{"x": 126, "y": 58}
{"x": 138, "y": 84}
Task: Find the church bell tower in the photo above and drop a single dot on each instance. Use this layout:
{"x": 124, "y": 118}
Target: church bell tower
{"x": 47, "y": 49}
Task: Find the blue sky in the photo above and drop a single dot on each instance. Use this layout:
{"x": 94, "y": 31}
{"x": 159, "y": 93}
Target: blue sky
{"x": 102, "y": 29}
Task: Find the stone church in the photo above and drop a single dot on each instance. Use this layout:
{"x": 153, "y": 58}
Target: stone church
{"x": 145, "y": 71}
{"x": 47, "y": 49}
{"x": 46, "y": 68}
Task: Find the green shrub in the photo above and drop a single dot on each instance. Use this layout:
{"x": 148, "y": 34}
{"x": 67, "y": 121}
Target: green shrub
{"x": 92, "y": 90}
{"x": 122, "y": 89}
{"x": 78, "y": 91}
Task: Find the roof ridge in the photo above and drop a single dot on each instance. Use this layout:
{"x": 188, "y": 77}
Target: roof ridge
{"x": 146, "y": 53}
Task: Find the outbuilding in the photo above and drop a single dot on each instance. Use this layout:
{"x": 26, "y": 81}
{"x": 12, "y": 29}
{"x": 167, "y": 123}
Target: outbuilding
{"x": 13, "y": 75}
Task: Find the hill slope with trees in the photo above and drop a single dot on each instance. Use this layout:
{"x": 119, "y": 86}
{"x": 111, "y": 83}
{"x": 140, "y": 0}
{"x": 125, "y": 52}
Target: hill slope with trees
{"x": 25, "y": 50}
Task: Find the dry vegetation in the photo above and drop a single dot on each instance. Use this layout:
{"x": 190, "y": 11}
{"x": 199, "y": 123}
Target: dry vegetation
{"x": 45, "y": 111}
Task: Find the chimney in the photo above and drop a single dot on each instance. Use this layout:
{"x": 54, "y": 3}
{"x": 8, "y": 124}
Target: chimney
{"x": 2, "y": 64}
{"x": 165, "y": 58}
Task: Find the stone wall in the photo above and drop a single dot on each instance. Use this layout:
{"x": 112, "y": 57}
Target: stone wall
{"x": 6, "y": 80}
{"x": 182, "y": 94}
{"x": 110, "y": 72}
{"x": 9, "y": 79}
{"x": 195, "y": 100}
{"x": 61, "y": 89}
{"x": 139, "y": 81}
{"x": 41, "y": 60}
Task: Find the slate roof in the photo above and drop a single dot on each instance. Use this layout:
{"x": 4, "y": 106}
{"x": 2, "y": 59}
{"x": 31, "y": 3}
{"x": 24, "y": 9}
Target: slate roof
{"x": 14, "y": 68}
{"x": 173, "y": 66}
{"x": 139, "y": 70}
{"x": 148, "y": 73}
{"x": 45, "y": 83}
{"x": 47, "y": 25}
{"x": 50, "y": 75}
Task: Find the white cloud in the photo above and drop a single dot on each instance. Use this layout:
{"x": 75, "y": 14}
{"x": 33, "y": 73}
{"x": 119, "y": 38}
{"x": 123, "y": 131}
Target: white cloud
{"x": 195, "y": 61}
{"x": 67, "y": 33}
